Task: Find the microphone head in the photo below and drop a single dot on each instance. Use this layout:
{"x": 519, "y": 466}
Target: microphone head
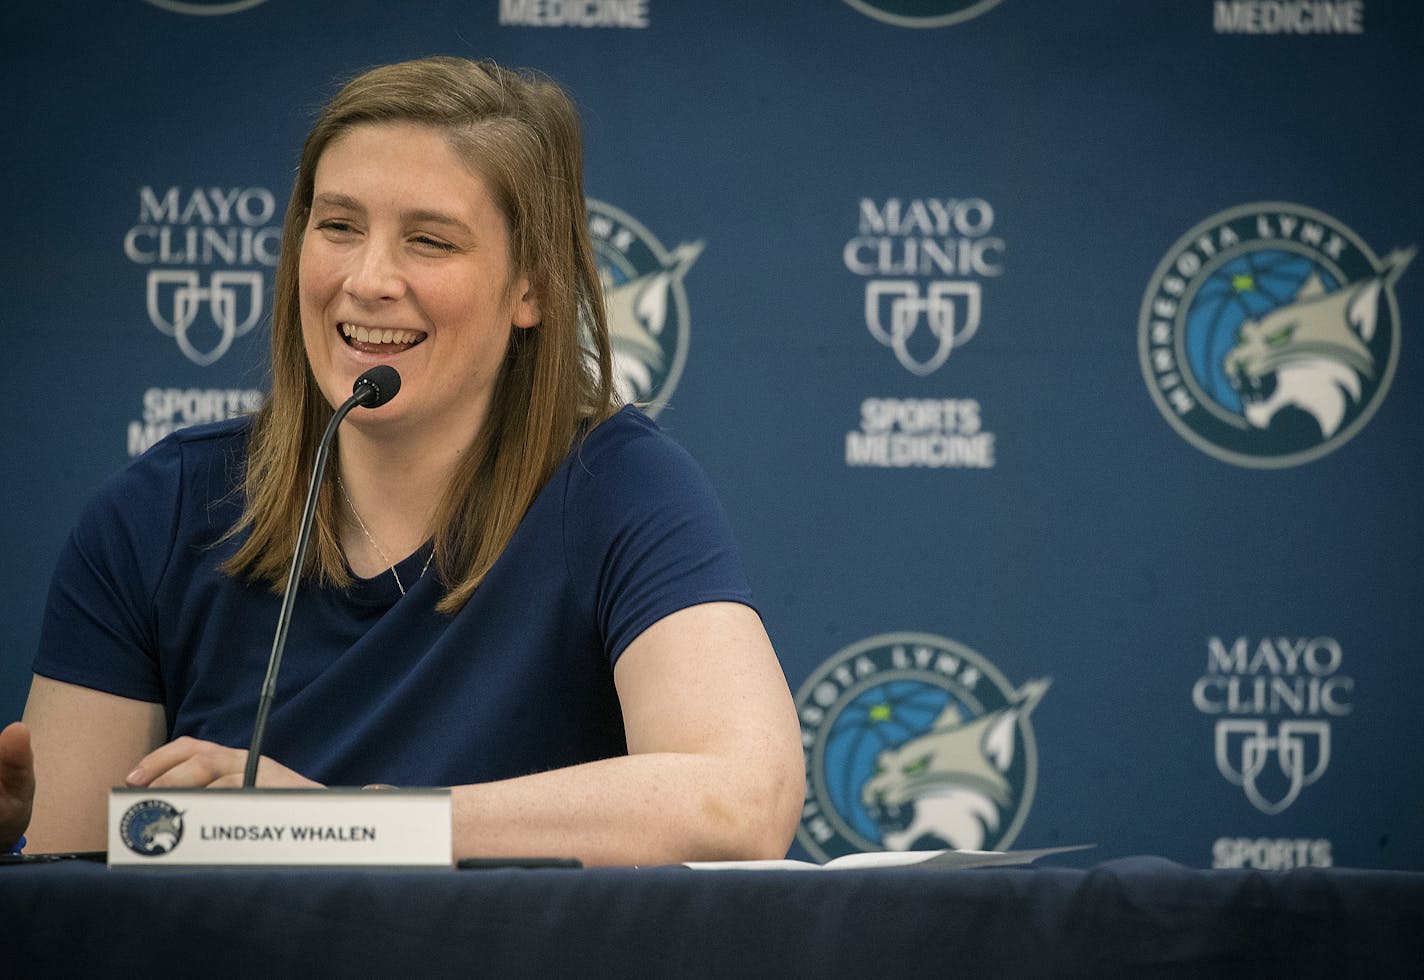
{"x": 377, "y": 386}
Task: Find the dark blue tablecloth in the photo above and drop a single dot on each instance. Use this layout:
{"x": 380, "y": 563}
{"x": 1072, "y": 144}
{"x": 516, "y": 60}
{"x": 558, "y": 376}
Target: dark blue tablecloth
{"x": 1134, "y": 917}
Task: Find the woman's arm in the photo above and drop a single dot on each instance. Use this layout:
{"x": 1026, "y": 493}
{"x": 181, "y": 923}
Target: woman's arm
{"x": 84, "y": 742}
{"x": 714, "y": 770}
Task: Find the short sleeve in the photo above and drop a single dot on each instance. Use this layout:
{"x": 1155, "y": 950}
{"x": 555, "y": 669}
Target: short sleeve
{"x": 99, "y": 628}
{"x": 644, "y": 532}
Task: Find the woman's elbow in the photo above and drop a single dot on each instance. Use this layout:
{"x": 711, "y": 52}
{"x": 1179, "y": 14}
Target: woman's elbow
{"x": 762, "y": 823}
{"x": 786, "y": 798}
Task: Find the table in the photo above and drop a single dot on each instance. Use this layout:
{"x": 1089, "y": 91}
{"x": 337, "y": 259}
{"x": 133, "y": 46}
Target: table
{"x": 1129, "y": 917}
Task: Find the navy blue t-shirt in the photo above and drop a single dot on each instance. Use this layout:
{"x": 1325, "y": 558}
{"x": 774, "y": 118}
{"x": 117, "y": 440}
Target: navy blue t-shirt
{"x": 376, "y": 687}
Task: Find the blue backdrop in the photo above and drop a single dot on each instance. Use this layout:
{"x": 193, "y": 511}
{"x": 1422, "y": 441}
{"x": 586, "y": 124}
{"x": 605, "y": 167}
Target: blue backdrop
{"x": 1055, "y": 363}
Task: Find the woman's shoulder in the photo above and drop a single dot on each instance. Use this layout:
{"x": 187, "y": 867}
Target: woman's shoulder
{"x": 210, "y": 454}
{"x": 629, "y": 438}
{"x": 209, "y": 436}
{"x": 629, "y": 464}
{"x": 196, "y": 442}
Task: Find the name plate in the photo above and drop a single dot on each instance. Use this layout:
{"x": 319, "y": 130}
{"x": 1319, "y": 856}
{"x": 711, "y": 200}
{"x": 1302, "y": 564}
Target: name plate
{"x": 385, "y": 828}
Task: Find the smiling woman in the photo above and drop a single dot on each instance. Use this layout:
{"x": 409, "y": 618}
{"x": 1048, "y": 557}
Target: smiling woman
{"x": 406, "y": 261}
{"x": 517, "y": 588}
{"x": 437, "y": 163}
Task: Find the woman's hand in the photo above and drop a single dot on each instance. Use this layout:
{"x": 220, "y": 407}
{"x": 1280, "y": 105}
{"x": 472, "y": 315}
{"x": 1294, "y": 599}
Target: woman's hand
{"x": 17, "y": 783}
{"x": 191, "y": 762}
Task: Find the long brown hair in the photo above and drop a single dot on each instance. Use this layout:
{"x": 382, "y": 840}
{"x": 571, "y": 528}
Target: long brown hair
{"x": 520, "y": 132}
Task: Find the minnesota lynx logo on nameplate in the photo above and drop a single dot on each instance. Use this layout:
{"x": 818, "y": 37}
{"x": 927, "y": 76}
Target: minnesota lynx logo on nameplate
{"x": 914, "y": 742}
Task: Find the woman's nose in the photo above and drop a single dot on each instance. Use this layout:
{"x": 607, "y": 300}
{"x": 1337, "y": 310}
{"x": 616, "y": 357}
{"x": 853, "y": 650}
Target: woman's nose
{"x": 375, "y": 275}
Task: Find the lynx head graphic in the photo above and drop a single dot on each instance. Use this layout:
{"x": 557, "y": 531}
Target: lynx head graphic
{"x": 638, "y": 312}
{"x": 947, "y": 788}
{"x": 163, "y": 832}
{"x": 151, "y": 827}
{"x": 1269, "y": 334}
{"x": 1311, "y": 353}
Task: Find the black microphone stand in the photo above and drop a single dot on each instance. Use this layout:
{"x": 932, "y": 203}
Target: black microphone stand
{"x": 372, "y": 389}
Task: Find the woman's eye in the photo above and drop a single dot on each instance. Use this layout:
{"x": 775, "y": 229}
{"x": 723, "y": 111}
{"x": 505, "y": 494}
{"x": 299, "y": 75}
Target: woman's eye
{"x": 333, "y": 225}
{"x": 427, "y": 242}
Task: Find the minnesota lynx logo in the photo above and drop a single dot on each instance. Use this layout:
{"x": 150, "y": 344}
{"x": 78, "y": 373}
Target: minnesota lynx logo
{"x": 914, "y": 741}
{"x": 922, "y": 13}
{"x": 151, "y": 828}
{"x": 646, "y": 303}
{"x": 1270, "y": 333}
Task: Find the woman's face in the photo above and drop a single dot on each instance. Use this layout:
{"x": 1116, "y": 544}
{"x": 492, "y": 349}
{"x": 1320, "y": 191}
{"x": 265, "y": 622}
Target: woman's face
{"x": 405, "y": 261}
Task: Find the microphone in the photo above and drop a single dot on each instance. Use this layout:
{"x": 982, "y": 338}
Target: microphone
{"x": 372, "y": 390}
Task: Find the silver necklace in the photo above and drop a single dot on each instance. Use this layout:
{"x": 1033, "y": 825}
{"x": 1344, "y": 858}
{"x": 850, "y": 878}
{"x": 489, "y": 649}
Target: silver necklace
{"x": 379, "y": 550}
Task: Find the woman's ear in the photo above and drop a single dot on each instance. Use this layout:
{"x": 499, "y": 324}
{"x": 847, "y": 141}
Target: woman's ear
{"x": 527, "y": 312}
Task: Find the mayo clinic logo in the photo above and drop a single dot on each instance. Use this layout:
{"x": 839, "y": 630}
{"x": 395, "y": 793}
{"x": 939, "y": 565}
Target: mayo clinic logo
{"x": 922, "y": 13}
{"x": 914, "y": 741}
{"x": 200, "y": 8}
{"x": 206, "y": 250}
{"x": 232, "y": 299}
{"x": 923, "y": 260}
{"x": 151, "y": 828}
{"x": 1274, "y": 699}
{"x": 1247, "y": 747}
{"x": 894, "y": 309}
{"x": 646, "y": 304}
{"x": 1269, "y": 334}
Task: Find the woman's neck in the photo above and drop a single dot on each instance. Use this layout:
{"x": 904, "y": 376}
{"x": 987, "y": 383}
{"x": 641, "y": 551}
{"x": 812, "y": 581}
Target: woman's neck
{"x": 391, "y": 490}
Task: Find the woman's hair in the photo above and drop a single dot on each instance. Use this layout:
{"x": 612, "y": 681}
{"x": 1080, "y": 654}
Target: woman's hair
{"x": 520, "y": 132}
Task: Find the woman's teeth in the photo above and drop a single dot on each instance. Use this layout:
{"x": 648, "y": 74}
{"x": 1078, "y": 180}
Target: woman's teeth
{"x": 376, "y": 336}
